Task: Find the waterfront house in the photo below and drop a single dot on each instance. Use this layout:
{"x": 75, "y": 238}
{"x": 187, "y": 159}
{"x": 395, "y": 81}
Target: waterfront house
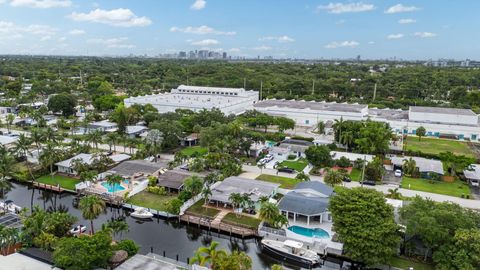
{"x": 307, "y": 203}
{"x": 173, "y": 180}
{"x": 67, "y": 166}
{"x": 233, "y": 184}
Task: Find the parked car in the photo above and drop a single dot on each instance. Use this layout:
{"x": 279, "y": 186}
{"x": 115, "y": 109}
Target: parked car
{"x": 347, "y": 179}
{"x": 269, "y": 157}
{"x": 368, "y": 183}
{"x": 398, "y": 173}
{"x": 261, "y": 162}
{"x": 286, "y": 170}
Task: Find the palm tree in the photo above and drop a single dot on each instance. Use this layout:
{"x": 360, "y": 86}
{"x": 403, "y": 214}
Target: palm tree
{"x": 302, "y": 176}
{"x": 269, "y": 212}
{"x": 334, "y": 178}
{"x": 48, "y": 157}
{"x": 73, "y": 124}
{"x": 116, "y": 226}
{"x": 37, "y": 137}
{"x": 94, "y": 137}
{"x": 7, "y": 163}
{"x": 91, "y": 206}
{"x": 409, "y": 166}
{"x": 154, "y": 139}
{"x": 51, "y": 135}
{"x": 112, "y": 140}
{"x": 193, "y": 184}
{"x": 347, "y": 139}
{"x": 338, "y": 127}
{"x": 206, "y": 193}
{"x": 236, "y": 199}
{"x": 394, "y": 194}
{"x": 209, "y": 254}
{"x": 113, "y": 180}
{"x": 20, "y": 147}
{"x": 10, "y": 117}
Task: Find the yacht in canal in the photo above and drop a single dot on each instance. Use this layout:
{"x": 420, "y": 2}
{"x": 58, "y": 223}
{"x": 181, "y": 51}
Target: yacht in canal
{"x": 292, "y": 250}
{"x": 141, "y": 213}
{"x": 9, "y": 207}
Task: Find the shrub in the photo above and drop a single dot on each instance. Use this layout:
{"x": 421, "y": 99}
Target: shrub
{"x": 332, "y": 146}
{"x": 173, "y": 206}
{"x": 184, "y": 195}
{"x": 157, "y": 190}
{"x": 276, "y": 137}
{"x": 291, "y": 157}
{"x": 152, "y": 180}
{"x": 308, "y": 139}
{"x": 343, "y": 162}
{"x": 128, "y": 245}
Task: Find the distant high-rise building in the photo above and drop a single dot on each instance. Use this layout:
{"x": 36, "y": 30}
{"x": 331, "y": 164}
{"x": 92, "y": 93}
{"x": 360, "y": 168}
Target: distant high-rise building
{"x": 224, "y": 55}
{"x": 182, "y": 54}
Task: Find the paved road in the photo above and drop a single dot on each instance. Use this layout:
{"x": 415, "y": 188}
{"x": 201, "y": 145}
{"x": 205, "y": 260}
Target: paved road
{"x": 252, "y": 172}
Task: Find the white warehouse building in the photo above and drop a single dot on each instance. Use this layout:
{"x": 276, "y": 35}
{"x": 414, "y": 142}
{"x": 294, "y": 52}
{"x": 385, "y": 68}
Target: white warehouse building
{"x": 459, "y": 123}
{"x": 196, "y": 98}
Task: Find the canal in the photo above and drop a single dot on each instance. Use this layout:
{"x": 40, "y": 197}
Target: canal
{"x": 172, "y": 237}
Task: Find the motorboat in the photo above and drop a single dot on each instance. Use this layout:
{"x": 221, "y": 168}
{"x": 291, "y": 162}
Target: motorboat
{"x": 9, "y": 207}
{"x": 141, "y": 213}
{"x": 79, "y": 229}
{"x": 291, "y": 250}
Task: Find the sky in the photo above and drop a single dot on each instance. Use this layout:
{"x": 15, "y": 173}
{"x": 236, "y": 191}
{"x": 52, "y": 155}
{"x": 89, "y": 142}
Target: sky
{"x": 376, "y": 29}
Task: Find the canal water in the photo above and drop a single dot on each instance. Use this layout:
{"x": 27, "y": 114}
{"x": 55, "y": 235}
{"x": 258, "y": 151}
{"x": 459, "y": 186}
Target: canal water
{"x": 172, "y": 237}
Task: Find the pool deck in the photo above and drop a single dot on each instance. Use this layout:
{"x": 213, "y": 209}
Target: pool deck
{"x": 332, "y": 247}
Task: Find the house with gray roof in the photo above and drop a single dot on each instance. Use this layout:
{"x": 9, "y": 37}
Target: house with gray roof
{"x": 138, "y": 168}
{"x": 173, "y": 180}
{"x": 233, "y": 184}
{"x": 426, "y": 167}
{"x": 307, "y": 203}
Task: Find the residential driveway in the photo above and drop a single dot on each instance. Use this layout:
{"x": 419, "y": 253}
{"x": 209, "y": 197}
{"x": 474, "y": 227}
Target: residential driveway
{"x": 391, "y": 179}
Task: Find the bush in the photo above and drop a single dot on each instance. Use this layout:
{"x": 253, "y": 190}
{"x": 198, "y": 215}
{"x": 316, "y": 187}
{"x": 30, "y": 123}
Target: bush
{"x": 276, "y": 137}
{"x": 152, "y": 180}
{"x": 184, "y": 195}
{"x": 157, "y": 190}
{"x": 332, "y": 146}
{"x": 173, "y": 206}
{"x": 291, "y": 157}
{"x": 343, "y": 162}
{"x": 128, "y": 245}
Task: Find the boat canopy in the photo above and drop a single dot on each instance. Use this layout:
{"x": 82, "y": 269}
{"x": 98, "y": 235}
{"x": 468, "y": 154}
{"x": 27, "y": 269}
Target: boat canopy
{"x": 292, "y": 244}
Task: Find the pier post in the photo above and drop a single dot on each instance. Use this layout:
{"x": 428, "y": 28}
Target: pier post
{"x": 164, "y": 253}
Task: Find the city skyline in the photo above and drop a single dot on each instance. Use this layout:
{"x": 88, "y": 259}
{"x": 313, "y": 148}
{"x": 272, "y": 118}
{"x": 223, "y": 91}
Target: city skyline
{"x": 281, "y": 29}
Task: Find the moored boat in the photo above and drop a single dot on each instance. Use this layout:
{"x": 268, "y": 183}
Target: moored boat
{"x": 141, "y": 213}
{"x": 291, "y": 250}
{"x": 10, "y": 207}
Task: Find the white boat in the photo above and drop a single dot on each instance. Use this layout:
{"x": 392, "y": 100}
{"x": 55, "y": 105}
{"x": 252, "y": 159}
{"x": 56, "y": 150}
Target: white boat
{"x": 292, "y": 250}
{"x": 142, "y": 213}
{"x": 9, "y": 207}
{"x": 79, "y": 229}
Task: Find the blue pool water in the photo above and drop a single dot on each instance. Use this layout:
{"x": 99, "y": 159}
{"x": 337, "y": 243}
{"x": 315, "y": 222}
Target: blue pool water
{"x": 317, "y": 233}
{"x": 112, "y": 188}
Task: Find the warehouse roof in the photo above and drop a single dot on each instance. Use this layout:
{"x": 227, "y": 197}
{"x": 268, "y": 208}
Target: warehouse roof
{"x": 442, "y": 110}
{"x": 312, "y": 105}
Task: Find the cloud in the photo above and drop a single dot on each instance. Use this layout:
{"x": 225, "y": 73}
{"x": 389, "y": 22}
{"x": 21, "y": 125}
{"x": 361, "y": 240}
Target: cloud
{"x": 280, "y": 39}
{"x": 201, "y": 30}
{"x": 41, "y": 3}
{"x": 342, "y": 44}
{"x": 395, "y": 36}
{"x": 262, "y": 48}
{"x": 399, "y": 8}
{"x": 338, "y": 8}
{"x": 371, "y": 42}
{"x": 205, "y": 42}
{"x": 425, "y": 34}
{"x": 406, "y": 21}
{"x": 198, "y": 5}
{"x": 115, "y": 17}
{"x": 114, "y": 43}
{"x": 77, "y": 32}
{"x": 45, "y": 38}
{"x": 10, "y": 30}
{"x": 62, "y": 39}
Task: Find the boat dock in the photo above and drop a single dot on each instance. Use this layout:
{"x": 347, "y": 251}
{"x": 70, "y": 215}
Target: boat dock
{"x": 156, "y": 213}
{"x": 219, "y": 226}
{"x": 49, "y": 187}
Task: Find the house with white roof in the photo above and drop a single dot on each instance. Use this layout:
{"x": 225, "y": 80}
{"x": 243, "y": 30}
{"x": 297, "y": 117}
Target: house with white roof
{"x": 67, "y": 166}
{"x": 426, "y": 167}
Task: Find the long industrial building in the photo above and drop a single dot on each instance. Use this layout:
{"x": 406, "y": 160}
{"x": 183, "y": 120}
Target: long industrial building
{"x": 195, "y": 98}
{"x": 438, "y": 121}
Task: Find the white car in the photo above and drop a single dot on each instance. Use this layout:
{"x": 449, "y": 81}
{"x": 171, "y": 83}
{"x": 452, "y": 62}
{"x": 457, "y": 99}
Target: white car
{"x": 398, "y": 173}
{"x": 269, "y": 157}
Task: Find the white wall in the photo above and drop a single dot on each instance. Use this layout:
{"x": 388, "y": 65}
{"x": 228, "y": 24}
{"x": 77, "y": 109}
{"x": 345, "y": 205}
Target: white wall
{"x": 443, "y": 118}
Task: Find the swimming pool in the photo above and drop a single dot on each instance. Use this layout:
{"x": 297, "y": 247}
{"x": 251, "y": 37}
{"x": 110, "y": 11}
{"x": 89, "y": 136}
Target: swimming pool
{"x": 316, "y": 233}
{"x": 112, "y": 188}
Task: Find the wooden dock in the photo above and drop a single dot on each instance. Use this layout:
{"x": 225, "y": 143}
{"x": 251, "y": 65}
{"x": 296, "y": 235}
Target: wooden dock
{"x": 219, "y": 226}
{"x": 49, "y": 187}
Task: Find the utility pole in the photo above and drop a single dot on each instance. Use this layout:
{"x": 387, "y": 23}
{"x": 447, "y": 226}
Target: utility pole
{"x": 313, "y": 87}
{"x": 363, "y": 169}
{"x": 374, "y": 91}
{"x": 261, "y": 88}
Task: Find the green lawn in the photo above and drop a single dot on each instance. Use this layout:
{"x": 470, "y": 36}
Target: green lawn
{"x": 189, "y": 151}
{"x": 242, "y": 220}
{"x": 297, "y": 165}
{"x": 356, "y": 175}
{"x": 404, "y": 263}
{"x": 285, "y": 182}
{"x": 199, "y": 210}
{"x": 456, "y": 188}
{"x": 64, "y": 181}
{"x": 150, "y": 200}
{"x": 436, "y": 146}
